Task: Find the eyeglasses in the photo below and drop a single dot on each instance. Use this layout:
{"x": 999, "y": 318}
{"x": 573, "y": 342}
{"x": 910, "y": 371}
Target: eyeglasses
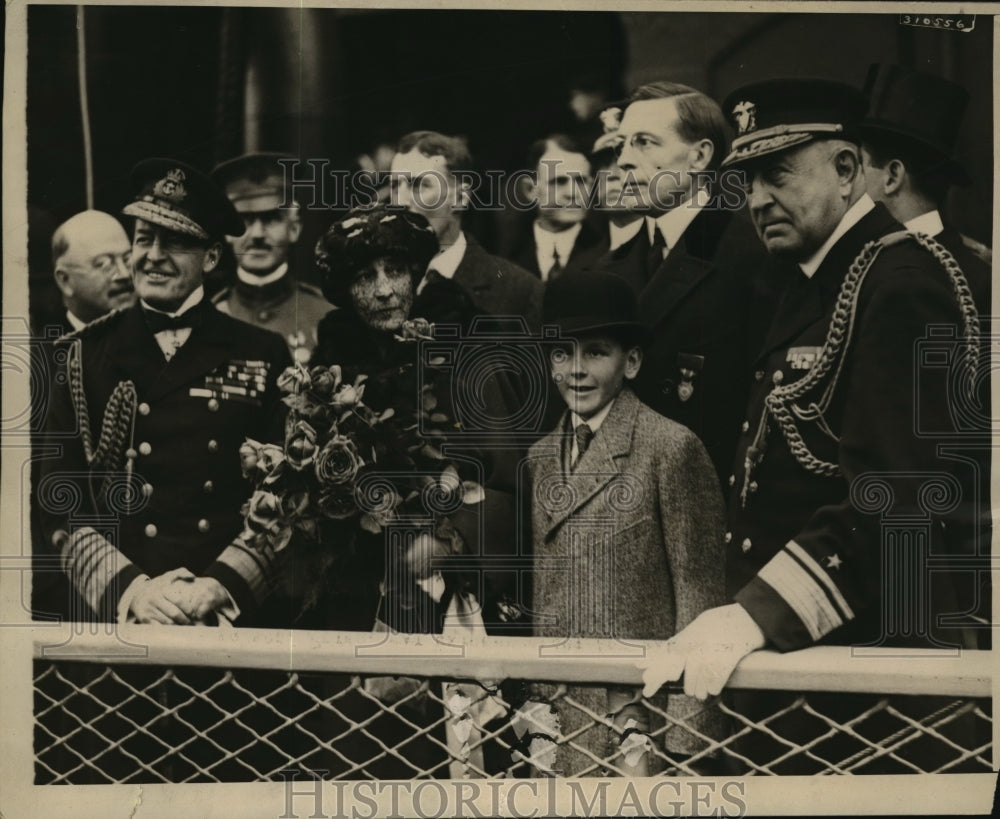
{"x": 108, "y": 263}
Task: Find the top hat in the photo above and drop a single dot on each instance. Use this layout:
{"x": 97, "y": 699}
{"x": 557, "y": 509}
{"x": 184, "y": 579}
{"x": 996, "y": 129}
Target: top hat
{"x": 587, "y": 302}
{"x": 776, "y": 115}
{"x": 919, "y": 111}
{"x": 255, "y": 182}
{"x": 176, "y": 196}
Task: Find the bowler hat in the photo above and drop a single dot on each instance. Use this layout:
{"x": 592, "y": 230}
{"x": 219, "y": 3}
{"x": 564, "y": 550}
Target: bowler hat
{"x": 593, "y": 301}
{"x": 255, "y": 182}
{"x": 172, "y": 194}
{"x": 919, "y": 111}
{"x": 776, "y": 115}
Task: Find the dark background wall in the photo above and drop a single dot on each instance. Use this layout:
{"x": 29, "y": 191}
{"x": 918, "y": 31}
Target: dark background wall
{"x": 203, "y": 84}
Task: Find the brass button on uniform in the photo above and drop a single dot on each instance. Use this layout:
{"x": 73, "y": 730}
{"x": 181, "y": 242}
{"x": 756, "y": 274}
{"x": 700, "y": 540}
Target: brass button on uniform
{"x": 203, "y": 525}
{"x": 147, "y": 489}
{"x": 213, "y": 446}
{"x": 732, "y": 480}
{"x": 151, "y": 530}
{"x": 746, "y": 426}
{"x": 143, "y": 408}
{"x": 753, "y": 486}
{"x": 130, "y": 453}
{"x": 778, "y": 377}
{"x": 759, "y": 375}
{"x": 145, "y": 448}
{"x": 209, "y": 486}
{"x": 746, "y": 545}
{"x": 729, "y": 537}
{"x": 213, "y": 405}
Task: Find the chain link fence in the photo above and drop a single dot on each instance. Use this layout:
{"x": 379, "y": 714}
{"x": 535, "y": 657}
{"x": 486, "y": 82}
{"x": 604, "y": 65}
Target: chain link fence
{"x": 174, "y": 705}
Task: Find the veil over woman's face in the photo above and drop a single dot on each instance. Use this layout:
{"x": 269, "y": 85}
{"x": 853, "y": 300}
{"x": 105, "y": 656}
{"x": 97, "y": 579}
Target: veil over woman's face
{"x": 382, "y": 294}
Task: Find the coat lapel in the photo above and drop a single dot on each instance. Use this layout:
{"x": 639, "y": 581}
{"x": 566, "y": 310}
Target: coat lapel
{"x": 599, "y": 465}
{"x": 473, "y": 271}
{"x": 686, "y": 266}
{"x": 135, "y": 351}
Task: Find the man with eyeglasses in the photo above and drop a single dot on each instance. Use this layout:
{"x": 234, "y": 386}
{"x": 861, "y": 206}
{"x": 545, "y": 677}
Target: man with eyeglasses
{"x": 695, "y": 265}
{"x": 147, "y": 411}
{"x": 90, "y": 260}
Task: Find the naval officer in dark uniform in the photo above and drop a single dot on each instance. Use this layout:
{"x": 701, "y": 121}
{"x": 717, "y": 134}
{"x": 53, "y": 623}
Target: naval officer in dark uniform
{"x": 841, "y": 434}
{"x": 148, "y": 413}
{"x": 267, "y": 293}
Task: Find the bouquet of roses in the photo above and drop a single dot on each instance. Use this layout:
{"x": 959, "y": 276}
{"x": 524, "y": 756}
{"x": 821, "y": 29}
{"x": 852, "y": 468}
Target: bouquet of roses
{"x": 347, "y": 470}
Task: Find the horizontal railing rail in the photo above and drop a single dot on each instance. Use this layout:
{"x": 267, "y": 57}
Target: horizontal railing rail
{"x": 823, "y": 668}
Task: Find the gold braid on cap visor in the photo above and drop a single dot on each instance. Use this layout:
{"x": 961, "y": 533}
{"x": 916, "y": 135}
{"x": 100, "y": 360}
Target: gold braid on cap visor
{"x": 777, "y": 138}
{"x": 151, "y": 210}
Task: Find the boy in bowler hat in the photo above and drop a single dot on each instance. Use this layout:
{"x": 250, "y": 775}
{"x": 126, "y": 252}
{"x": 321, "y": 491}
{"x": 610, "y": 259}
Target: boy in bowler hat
{"x": 627, "y": 520}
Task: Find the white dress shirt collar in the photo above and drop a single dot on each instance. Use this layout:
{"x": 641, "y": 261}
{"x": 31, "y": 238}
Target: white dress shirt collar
{"x": 673, "y": 223}
{"x": 193, "y": 299}
{"x": 75, "y": 321}
{"x": 855, "y": 213}
{"x": 929, "y": 223}
{"x": 548, "y": 243}
{"x": 620, "y": 234}
{"x": 448, "y": 260}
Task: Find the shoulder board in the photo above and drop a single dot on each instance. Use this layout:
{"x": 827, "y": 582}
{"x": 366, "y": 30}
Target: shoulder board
{"x": 96, "y": 324}
{"x": 222, "y": 295}
{"x": 312, "y": 289}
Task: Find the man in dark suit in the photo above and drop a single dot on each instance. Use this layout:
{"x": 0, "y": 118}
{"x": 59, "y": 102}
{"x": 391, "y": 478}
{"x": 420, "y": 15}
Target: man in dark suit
{"x": 696, "y": 267}
{"x": 266, "y": 292}
{"x": 908, "y": 151}
{"x": 559, "y": 188}
{"x": 841, "y": 428}
{"x": 148, "y": 413}
{"x": 431, "y": 176}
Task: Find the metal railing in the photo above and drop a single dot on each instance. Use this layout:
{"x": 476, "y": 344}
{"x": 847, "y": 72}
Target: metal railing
{"x": 173, "y": 704}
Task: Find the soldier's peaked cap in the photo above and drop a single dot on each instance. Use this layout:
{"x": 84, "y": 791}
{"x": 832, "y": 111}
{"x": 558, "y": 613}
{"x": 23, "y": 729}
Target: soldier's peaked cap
{"x": 255, "y": 181}
{"x": 776, "y": 115}
{"x": 177, "y": 196}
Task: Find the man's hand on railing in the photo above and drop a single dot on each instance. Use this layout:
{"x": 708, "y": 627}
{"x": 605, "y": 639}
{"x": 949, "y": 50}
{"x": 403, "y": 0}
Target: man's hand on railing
{"x": 713, "y": 645}
{"x": 155, "y": 599}
{"x": 708, "y": 651}
{"x": 202, "y": 599}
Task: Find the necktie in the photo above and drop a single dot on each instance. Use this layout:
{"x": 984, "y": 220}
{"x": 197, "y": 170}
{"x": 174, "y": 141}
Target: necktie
{"x": 656, "y": 250}
{"x": 556, "y": 270}
{"x": 584, "y": 435}
{"x": 158, "y": 322}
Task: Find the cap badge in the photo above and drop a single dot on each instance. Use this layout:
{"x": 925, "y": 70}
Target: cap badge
{"x": 611, "y": 119}
{"x": 745, "y": 114}
{"x": 171, "y": 187}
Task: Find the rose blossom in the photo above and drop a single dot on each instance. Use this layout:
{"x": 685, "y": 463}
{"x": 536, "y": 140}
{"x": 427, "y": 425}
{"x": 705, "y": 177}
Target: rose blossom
{"x": 347, "y": 397}
{"x": 337, "y": 503}
{"x": 325, "y": 380}
{"x": 249, "y": 455}
{"x": 300, "y": 445}
{"x": 338, "y": 462}
{"x": 264, "y": 512}
{"x": 270, "y": 457}
{"x": 294, "y": 379}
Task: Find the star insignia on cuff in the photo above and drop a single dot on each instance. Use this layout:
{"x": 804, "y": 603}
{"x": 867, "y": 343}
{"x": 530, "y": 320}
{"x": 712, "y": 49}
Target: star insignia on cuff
{"x": 834, "y": 562}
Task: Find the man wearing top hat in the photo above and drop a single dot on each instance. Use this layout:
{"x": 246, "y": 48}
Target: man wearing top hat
{"x": 842, "y": 432}
{"x": 266, "y": 292}
{"x": 148, "y": 413}
{"x": 908, "y": 152}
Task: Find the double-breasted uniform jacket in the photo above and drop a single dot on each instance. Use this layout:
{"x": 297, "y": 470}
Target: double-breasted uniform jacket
{"x": 498, "y": 287}
{"x": 707, "y": 306}
{"x": 168, "y": 493}
{"x": 288, "y": 307}
{"x": 627, "y": 545}
{"x": 524, "y": 252}
{"x": 811, "y": 551}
